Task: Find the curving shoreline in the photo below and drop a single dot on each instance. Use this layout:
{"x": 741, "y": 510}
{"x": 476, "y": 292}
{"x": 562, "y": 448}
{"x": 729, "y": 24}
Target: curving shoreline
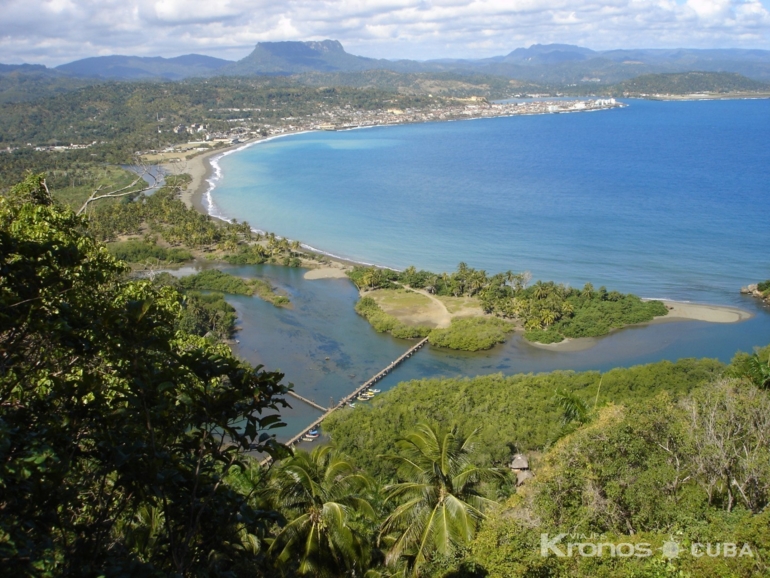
{"x": 678, "y": 311}
{"x": 203, "y": 168}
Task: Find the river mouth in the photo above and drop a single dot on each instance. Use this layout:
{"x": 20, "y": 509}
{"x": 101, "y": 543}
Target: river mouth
{"x": 327, "y": 351}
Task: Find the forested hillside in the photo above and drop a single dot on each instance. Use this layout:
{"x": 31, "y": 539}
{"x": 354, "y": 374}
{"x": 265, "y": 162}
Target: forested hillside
{"x": 129, "y": 433}
{"x": 689, "y": 83}
{"x": 511, "y": 413}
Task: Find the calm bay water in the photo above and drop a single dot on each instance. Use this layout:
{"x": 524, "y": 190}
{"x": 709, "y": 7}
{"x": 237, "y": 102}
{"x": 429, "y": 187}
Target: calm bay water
{"x": 661, "y": 199}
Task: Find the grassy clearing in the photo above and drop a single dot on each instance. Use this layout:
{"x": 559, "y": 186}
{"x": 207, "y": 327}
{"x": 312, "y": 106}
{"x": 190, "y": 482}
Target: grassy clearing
{"x": 386, "y": 323}
{"x": 108, "y": 177}
{"x": 401, "y": 301}
{"x": 459, "y": 304}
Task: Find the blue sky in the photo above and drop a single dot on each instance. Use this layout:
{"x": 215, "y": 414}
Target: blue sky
{"x": 52, "y": 32}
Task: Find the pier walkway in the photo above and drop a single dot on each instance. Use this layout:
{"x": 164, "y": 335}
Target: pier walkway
{"x": 308, "y": 401}
{"x": 347, "y": 399}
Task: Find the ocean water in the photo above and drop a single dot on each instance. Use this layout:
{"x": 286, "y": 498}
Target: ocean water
{"x": 661, "y": 199}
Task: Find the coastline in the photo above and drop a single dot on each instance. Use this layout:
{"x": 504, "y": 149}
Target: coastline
{"x": 705, "y": 96}
{"x": 203, "y": 167}
{"x": 677, "y": 311}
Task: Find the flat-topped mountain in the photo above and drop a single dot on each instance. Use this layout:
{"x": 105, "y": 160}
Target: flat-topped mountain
{"x": 300, "y": 57}
{"x": 553, "y": 64}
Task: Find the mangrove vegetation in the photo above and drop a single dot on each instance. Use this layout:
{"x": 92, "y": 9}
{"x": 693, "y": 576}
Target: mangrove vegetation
{"x": 131, "y": 445}
{"x": 548, "y": 312}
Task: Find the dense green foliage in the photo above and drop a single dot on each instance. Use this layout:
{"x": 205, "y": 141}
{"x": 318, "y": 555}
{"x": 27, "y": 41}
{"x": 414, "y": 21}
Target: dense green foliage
{"x": 689, "y": 83}
{"x": 696, "y": 472}
{"x": 332, "y": 523}
{"x": 511, "y": 412}
{"x": 34, "y": 82}
{"x": 204, "y": 314}
{"x": 474, "y": 334}
{"x": 165, "y": 215}
{"x": 438, "y": 489}
{"x": 117, "y": 430}
{"x": 136, "y": 251}
{"x": 207, "y": 315}
{"x": 216, "y": 280}
{"x": 452, "y": 84}
{"x": 549, "y": 311}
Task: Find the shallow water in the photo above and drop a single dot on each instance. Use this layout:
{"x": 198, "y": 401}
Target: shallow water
{"x": 663, "y": 199}
{"x": 326, "y": 350}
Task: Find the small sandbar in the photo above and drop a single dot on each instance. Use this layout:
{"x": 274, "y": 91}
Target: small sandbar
{"x": 678, "y": 310}
{"x": 566, "y": 345}
{"x": 326, "y": 273}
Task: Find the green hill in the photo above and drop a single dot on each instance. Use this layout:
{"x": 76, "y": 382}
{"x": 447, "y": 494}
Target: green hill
{"x": 689, "y": 83}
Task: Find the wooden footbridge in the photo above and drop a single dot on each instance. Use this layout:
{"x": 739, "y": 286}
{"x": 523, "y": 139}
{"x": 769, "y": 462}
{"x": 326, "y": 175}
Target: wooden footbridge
{"x": 347, "y": 399}
{"x": 308, "y": 401}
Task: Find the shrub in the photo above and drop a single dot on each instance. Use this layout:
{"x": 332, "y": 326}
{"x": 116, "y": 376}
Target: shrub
{"x": 472, "y": 334}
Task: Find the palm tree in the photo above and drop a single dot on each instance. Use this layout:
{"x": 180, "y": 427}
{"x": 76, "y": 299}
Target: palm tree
{"x": 321, "y": 495}
{"x": 540, "y": 290}
{"x": 757, "y": 371}
{"x": 575, "y": 412}
{"x": 547, "y": 317}
{"x": 439, "y": 504}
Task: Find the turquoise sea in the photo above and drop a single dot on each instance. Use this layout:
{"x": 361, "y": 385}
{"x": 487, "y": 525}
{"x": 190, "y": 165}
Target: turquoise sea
{"x": 662, "y": 199}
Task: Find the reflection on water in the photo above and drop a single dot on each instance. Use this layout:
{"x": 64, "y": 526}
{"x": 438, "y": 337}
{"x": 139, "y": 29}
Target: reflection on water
{"x": 326, "y": 350}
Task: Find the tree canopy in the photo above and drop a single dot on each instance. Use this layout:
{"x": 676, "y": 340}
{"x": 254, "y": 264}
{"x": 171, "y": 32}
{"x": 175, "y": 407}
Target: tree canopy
{"x": 109, "y": 415}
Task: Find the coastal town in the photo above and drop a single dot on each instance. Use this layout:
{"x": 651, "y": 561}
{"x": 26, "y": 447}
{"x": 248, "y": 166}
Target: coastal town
{"x": 346, "y": 118}
{"x": 251, "y": 124}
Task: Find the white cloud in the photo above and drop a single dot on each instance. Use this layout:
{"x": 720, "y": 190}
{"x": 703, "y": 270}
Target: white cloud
{"x": 56, "y": 31}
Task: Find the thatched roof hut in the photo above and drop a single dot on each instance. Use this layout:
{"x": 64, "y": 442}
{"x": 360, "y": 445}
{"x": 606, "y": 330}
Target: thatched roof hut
{"x": 519, "y": 462}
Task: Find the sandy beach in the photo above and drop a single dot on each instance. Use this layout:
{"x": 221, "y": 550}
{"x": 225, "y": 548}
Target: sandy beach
{"x": 200, "y": 169}
{"x": 677, "y": 311}
{"x": 333, "y": 271}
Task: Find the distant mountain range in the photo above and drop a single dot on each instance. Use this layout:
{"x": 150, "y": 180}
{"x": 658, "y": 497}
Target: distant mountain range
{"x": 137, "y": 67}
{"x": 545, "y": 64}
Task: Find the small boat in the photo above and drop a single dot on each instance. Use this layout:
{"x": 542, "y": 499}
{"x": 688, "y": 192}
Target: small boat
{"x": 313, "y": 433}
{"x": 307, "y": 439}
{"x": 375, "y": 391}
{"x": 352, "y": 404}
